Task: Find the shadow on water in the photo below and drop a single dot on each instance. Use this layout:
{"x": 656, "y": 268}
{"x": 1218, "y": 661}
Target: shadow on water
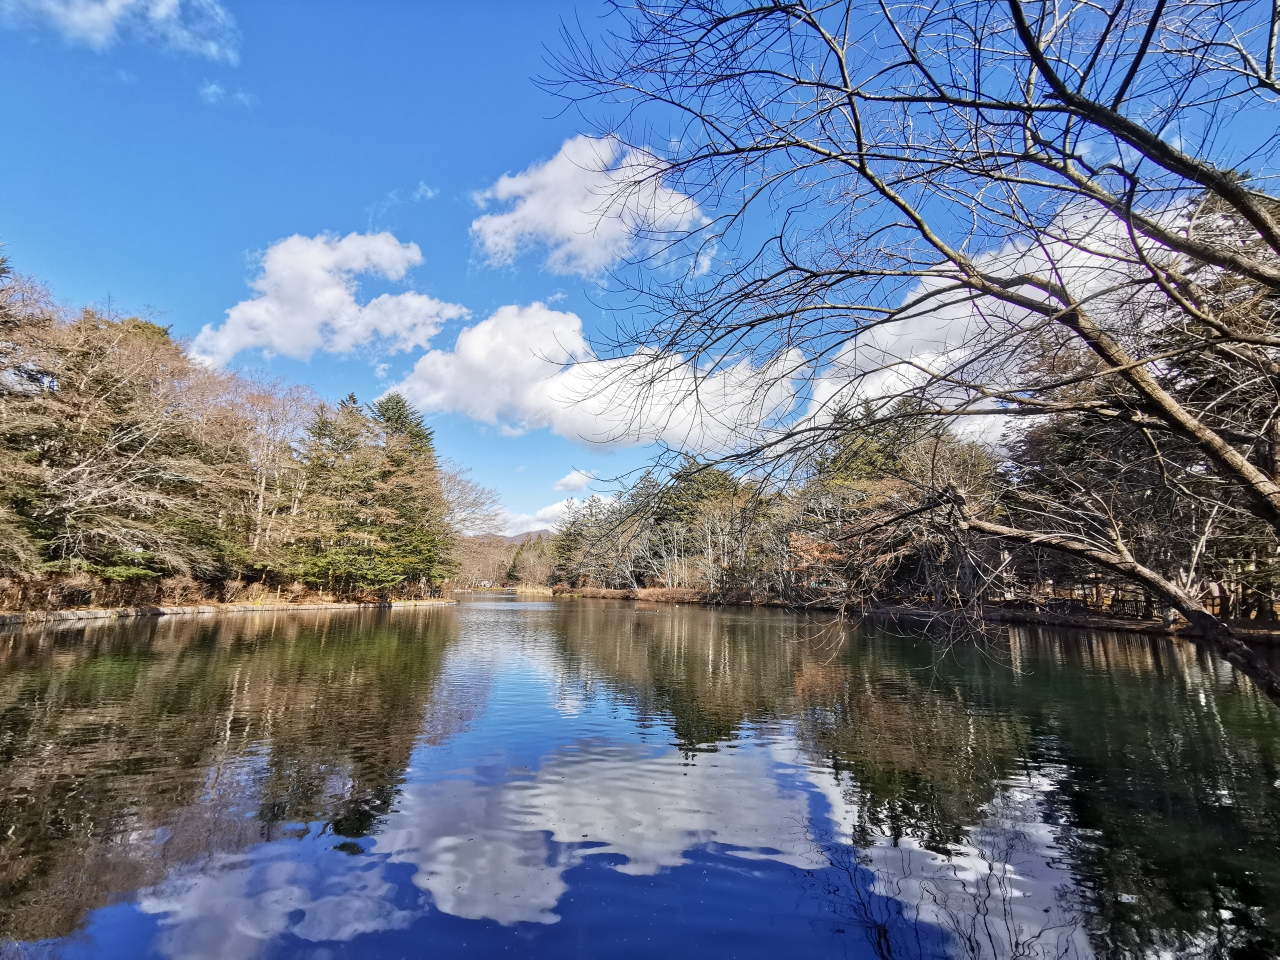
{"x": 570, "y": 778}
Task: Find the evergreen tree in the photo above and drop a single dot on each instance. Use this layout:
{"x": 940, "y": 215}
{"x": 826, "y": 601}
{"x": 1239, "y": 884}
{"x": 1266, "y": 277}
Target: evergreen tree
{"x": 378, "y": 508}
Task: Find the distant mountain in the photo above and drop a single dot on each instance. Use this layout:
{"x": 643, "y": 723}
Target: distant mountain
{"x": 500, "y": 538}
{"x": 530, "y": 535}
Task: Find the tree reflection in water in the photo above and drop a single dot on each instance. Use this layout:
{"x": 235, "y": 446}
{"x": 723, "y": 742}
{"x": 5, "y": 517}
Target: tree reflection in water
{"x": 1154, "y": 767}
{"x": 128, "y": 751}
{"x": 1074, "y": 795}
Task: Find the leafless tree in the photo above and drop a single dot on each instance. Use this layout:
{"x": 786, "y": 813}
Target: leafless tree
{"x": 1003, "y": 212}
{"x": 473, "y": 510}
{"x": 109, "y": 429}
{"x": 278, "y": 413}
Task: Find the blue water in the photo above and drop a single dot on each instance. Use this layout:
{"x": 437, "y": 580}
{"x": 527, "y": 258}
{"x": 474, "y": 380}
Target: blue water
{"x": 540, "y": 780}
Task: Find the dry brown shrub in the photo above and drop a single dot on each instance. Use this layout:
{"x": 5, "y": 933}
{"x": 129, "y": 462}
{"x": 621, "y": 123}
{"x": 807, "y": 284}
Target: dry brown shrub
{"x": 77, "y": 589}
{"x": 593, "y": 593}
{"x": 671, "y": 594}
{"x": 180, "y": 590}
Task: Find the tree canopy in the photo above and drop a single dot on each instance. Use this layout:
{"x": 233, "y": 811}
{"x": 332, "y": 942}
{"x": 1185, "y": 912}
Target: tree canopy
{"x": 122, "y": 459}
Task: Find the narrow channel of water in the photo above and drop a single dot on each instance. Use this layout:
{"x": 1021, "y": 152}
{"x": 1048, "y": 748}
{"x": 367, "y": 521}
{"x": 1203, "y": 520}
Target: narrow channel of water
{"x": 608, "y": 779}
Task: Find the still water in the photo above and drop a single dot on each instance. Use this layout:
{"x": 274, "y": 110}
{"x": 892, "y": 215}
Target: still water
{"x": 606, "y": 779}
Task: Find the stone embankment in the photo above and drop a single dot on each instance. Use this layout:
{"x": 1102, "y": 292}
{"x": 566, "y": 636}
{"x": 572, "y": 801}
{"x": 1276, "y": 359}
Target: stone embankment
{"x": 207, "y": 609}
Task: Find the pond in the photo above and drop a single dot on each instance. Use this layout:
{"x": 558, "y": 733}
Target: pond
{"x": 601, "y": 778}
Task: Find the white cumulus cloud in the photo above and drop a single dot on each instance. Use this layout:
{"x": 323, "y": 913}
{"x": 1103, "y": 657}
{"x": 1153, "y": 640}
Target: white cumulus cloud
{"x": 575, "y": 480}
{"x": 527, "y": 367}
{"x": 589, "y": 206}
{"x": 502, "y": 369}
{"x": 305, "y": 300}
{"x": 201, "y": 27}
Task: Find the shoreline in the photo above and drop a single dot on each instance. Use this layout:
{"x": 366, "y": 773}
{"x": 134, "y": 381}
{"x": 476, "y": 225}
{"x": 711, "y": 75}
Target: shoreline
{"x": 1249, "y": 634}
{"x": 35, "y": 617}
{"x": 1260, "y": 635}
{"x": 1268, "y": 636}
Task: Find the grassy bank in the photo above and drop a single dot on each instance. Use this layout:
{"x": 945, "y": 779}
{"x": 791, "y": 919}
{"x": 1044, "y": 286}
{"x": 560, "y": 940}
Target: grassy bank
{"x": 83, "y": 591}
{"x": 519, "y": 589}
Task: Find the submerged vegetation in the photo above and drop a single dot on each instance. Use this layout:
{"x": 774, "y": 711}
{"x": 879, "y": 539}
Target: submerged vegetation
{"x": 130, "y": 473}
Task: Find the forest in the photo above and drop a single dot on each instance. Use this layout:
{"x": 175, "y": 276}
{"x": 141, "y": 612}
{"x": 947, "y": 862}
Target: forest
{"x": 132, "y": 474}
{"x": 844, "y": 535}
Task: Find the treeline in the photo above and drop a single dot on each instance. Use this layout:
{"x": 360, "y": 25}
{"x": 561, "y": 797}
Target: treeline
{"x": 131, "y": 474}
{"x": 863, "y": 527}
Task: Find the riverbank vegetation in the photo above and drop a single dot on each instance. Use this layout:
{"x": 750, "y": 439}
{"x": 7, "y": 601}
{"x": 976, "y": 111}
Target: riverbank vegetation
{"x": 838, "y": 538}
{"x": 994, "y": 289}
{"x": 131, "y": 474}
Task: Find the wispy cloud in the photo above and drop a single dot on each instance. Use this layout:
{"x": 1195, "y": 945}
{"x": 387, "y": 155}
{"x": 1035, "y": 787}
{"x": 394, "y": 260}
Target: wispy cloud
{"x": 380, "y": 210}
{"x": 202, "y": 28}
{"x": 214, "y": 93}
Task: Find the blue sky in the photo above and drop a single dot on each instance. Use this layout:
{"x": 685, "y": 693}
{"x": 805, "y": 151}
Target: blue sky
{"x": 157, "y": 155}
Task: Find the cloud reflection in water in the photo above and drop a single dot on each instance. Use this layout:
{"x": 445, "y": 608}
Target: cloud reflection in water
{"x": 499, "y": 850}
{"x": 212, "y": 913}
{"x": 507, "y": 776}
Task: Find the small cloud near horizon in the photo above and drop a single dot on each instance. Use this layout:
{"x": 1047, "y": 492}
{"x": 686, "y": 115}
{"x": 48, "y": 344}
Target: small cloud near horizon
{"x": 514, "y": 524}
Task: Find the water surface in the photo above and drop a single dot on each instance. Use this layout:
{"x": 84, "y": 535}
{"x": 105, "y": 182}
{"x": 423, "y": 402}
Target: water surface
{"x": 596, "y": 778}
